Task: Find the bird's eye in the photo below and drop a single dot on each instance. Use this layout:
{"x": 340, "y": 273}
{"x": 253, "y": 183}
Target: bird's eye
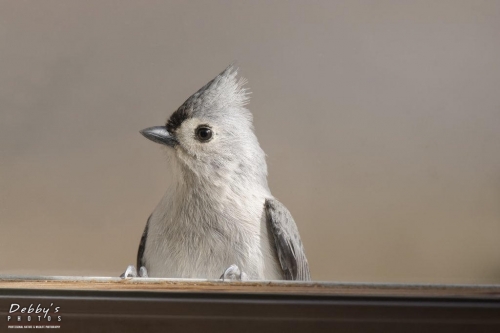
{"x": 203, "y": 133}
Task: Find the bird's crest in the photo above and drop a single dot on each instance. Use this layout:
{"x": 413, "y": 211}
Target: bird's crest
{"x": 223, "y": 92}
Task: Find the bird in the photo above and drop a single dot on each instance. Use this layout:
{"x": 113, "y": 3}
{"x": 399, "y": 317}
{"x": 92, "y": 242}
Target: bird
{"x": 218, "y": 215}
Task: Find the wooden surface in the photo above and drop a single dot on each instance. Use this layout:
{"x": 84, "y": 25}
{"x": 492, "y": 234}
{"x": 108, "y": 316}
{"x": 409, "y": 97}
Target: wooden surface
{"x": 274, "y": 287}
{"x": 101, "y": 304}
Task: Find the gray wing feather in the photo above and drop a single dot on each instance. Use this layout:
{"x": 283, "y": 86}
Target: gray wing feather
{"x": 142, "y": 246}
{"x": 287, "y": 239}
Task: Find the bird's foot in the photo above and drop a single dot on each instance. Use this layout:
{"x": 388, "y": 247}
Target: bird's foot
{"x": 131, "y": 272}
{"x": 233, "y": 273}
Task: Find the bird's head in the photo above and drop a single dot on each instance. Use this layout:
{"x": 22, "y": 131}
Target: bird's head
{"x": 211, "y": 134}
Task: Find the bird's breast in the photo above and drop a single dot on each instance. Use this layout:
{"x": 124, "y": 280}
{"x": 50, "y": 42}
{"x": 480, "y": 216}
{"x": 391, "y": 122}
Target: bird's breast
{"x": 199, "y": 240}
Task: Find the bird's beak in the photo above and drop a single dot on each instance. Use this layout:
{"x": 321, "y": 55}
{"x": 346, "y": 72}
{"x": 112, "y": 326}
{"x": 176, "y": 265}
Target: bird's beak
{"x": 159, "y": 134}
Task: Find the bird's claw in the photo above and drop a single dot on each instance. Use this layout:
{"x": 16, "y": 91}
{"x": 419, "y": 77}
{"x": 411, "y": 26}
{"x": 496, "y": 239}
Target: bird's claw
{"x": 143, "y": 272}
{"x": 131, "y": 272}
{"x": 233, "y": 273}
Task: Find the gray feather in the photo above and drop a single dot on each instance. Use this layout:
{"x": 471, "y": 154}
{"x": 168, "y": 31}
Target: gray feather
{"x": 288, "y": 245}
{"x": 142, "y": 246}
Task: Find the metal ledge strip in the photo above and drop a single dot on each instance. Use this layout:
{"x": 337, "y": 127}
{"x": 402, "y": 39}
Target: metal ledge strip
{"x": 274, "y": 287}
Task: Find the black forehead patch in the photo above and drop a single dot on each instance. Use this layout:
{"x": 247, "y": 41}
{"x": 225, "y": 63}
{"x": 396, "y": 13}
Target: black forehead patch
{"x": 178, "y": 117}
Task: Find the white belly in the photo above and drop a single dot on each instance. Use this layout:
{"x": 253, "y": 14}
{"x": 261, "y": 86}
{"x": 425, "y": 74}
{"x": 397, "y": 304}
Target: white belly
{"x": 181, "y": 251}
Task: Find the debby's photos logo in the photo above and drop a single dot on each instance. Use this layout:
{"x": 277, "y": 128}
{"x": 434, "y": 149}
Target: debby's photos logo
{"x": 34, "y": 316}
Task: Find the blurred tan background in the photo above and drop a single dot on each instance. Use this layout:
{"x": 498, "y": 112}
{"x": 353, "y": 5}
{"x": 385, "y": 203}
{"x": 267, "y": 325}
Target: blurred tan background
{"x": 380, "y": 119}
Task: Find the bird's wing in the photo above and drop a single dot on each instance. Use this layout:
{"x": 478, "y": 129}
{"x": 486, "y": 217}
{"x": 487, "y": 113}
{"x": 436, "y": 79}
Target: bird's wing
{"x": 287, "y": 239}
{"x": 142, "y": 246}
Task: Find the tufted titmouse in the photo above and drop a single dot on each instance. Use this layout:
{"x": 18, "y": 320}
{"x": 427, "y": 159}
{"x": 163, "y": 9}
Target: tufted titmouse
{"x": 218, "y": 216}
